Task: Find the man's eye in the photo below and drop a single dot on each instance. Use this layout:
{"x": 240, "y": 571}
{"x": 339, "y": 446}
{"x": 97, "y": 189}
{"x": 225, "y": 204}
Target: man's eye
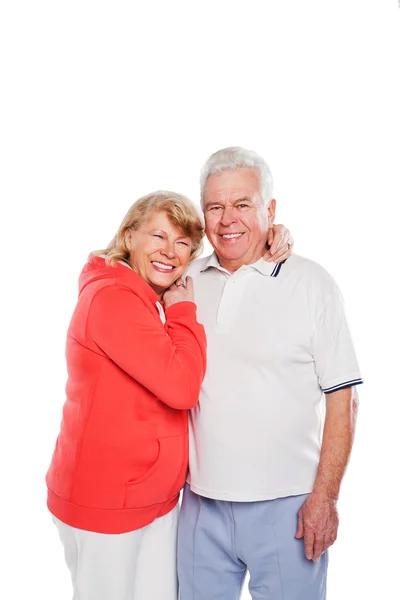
{"x": 215, "y": 208}
{"x": 243, "y": 205}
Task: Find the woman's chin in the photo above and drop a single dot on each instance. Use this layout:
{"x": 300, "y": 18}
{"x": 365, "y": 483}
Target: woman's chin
{"x": 162, "y": 282}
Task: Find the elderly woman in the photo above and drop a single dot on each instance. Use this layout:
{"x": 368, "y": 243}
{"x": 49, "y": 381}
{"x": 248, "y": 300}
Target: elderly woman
{"x": 136, "y": 357}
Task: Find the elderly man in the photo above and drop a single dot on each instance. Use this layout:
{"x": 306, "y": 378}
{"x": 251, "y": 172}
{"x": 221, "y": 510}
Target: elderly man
{"x": 262, "y": 490}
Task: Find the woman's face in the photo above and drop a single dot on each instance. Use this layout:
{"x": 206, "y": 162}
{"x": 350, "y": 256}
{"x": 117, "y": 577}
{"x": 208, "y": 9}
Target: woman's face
{"x": 159, "y": 251}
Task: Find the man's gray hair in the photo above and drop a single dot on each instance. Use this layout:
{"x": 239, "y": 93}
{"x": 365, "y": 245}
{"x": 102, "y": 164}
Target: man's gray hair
{"x": 234, "y": 158}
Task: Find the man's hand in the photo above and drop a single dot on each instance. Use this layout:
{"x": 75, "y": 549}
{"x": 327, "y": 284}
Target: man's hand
{"x": 280, "y": 244}
{"x": 318, "y": 523}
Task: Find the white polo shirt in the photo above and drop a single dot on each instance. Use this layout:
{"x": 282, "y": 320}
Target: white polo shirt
{"x": 277, "y": 338}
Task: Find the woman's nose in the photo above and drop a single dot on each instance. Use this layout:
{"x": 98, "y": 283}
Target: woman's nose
{"x": 169, "y": 249}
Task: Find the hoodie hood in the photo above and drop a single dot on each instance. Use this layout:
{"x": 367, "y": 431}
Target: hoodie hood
{"x": 96, "y": 269}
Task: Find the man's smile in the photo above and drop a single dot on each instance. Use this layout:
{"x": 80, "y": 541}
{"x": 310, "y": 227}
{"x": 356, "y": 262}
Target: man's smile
{"x": 230, "y": 236}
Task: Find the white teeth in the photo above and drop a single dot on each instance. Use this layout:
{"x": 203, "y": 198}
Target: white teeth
{"x": 161, "y": 266}
{"x": 231, "y": 235}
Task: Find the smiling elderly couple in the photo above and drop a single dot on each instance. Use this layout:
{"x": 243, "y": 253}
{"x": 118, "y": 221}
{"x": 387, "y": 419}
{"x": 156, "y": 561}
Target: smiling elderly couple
{"x": 262, "y": 487}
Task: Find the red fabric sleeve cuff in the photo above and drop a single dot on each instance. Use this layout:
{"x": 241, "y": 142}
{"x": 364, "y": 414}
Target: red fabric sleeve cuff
{"x": 181, "y": 309}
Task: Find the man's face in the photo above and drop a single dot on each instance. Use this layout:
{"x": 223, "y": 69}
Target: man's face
{"x": 237, "y": 220}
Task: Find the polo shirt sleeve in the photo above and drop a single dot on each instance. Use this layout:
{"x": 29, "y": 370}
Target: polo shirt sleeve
{"x": 335, "y": 360}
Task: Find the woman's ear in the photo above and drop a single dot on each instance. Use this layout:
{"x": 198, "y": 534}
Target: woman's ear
{"x": 128, "y": 239}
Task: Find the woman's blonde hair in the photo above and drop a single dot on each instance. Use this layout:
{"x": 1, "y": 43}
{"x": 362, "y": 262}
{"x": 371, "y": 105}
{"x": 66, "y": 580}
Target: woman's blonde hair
{"x": 181, "y": 212}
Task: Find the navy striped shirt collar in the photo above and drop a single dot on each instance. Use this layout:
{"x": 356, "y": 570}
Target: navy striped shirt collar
{"x": 262, "y": 266}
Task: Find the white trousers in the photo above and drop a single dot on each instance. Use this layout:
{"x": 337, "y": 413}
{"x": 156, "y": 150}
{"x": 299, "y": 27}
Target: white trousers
{"x": 139, "y": 565}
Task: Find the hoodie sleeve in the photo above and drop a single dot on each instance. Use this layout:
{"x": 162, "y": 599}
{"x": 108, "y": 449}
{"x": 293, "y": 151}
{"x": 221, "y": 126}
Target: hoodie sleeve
{"x": 170, "y": 362}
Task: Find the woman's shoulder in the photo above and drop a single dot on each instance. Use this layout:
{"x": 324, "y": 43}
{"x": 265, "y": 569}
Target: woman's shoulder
{"x": 116, "y": 280}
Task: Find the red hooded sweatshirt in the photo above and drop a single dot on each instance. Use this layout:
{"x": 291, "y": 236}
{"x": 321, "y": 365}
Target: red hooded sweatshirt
{"x": 121, "y": 456}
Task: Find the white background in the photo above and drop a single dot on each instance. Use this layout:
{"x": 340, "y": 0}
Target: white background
{"x": 105, "y": 101}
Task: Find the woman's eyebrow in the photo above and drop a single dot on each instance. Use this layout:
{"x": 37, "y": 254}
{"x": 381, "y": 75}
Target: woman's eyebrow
{"x": 179, "y": 237}
{"x": 156, "y": 229}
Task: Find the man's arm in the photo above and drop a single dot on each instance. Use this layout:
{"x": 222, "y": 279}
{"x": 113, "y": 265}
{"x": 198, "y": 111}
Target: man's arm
{"x": 318, "y": 517}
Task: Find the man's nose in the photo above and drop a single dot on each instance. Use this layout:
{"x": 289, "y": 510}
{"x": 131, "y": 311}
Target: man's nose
{"x": 228, "y": 216}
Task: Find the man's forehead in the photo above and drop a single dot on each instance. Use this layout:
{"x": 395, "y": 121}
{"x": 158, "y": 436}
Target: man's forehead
{"x": 232, "y": 194}
{"x": 233, "y": 181}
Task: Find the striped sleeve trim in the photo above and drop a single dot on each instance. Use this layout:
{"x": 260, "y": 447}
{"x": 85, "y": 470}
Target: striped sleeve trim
{"x": 342, "y": 386}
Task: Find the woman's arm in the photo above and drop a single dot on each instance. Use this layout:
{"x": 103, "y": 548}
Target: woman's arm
{"x": 169, "y": 362}
{"x": 280, "y": 242}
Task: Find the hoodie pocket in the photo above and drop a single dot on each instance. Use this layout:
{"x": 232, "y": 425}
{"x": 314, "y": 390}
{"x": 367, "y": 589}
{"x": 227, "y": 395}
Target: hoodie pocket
{"x": 163, "y": 479}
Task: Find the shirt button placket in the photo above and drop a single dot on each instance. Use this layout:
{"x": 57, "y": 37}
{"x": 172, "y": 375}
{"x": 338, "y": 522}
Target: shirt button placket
{"x": 226, "y": 306}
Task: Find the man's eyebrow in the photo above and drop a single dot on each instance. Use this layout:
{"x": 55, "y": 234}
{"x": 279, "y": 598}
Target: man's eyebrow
{"x": 238, "y": 200}
{"x": 215, "y": 203}
{"x": 244, "y": 199}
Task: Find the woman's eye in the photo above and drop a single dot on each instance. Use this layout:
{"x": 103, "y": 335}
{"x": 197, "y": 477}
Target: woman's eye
{"x": 184, "y": 243}
{"x": 158, "y": 235}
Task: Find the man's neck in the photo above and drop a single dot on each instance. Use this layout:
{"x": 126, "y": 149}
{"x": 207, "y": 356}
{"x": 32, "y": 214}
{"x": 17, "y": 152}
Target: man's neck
{"x": 233, "y": 265}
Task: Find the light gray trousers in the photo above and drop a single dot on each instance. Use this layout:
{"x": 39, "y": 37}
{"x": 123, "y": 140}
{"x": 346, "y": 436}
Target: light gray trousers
{"x": 139, "y": 565}
{"x": 219, "y": 542}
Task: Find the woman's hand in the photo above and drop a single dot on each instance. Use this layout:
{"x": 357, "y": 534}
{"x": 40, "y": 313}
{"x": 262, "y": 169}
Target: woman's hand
{"x": 280, "y": 244}
{"x": 179, "y": 293}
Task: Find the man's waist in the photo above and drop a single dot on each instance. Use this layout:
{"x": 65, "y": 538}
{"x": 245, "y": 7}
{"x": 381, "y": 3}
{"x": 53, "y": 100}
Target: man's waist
{"x": 251, "y": 495}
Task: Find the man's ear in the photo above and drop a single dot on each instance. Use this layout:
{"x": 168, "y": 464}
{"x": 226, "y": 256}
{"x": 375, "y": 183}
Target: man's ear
{"x": 271, "y": 211}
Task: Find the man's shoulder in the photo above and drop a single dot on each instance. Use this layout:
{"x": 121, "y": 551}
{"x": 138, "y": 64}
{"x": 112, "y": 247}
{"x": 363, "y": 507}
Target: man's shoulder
{"x": 307, "y": 267}
{"x": 311, "y": 271}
